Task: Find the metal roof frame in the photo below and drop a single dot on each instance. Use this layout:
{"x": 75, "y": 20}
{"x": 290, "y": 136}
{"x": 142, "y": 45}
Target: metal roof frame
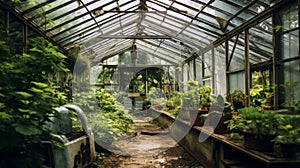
{"x": 114, "y": 25}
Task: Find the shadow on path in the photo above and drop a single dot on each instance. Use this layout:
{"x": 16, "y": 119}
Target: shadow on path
{"x": 150, "y": 147}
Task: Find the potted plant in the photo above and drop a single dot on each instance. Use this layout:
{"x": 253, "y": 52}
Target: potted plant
{"x": 205, "y": 98}
{"x": 219, "y": 112}
{"x": 288, "y": 136}
{"x": 258, "y": 129}
{"x": 237, "y": 99}
{"x": 191, "y": 101}
{"x": 174, "y": 103}
{"x": 157, "y": 98}
{"x": 262, "y": 96}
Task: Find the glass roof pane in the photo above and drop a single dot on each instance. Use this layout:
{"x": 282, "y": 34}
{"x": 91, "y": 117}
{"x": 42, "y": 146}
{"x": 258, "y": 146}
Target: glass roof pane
{"x": 64, "y": 23}
{"x": 222, "y": 7}
{"x": 261, "y": 42}
{"x": 62, "y": 10}
{"x": 191, "y": 41}
{"x": 208, "y": 19}
{"x": 191, "y": 4}
{"x": 152, "y": 50}
{"x": 155, "y": 6}
{"x": 213, "y": 29}
{"x": 153, "y": 17}
{"x": 150, "y": 32}
{"x": 196, "y": 37}
{"x": 50, "y": 9}
{"x": 158, "y": 55}
{"x": 195, "y": 30}
{"x": 200, "y": 32}
{"x": 175, "y": 48}
{"x": 108, "y": 49}
{"x": 110, "y": 7}
{"x": 178, "y": 16}
{"x": 29, "y": 4}
{"x": 129, "y": 5}
{"x": 161, "y": 48}
{"x": 75, "y": 29}
{"x": 184, "y": 9}
{"x": 69, "y": 22}
{"x": 239, "y": 2}
{"x": 172, "y": 27}
{"x": 104, "y": 16}
{"x": 159, "y": 28}
{"x": 80, "y": 38}
{"x": 177, "y": 24}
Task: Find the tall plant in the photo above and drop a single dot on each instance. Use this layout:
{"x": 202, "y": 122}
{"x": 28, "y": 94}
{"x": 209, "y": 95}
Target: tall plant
{"x": 28, "y": 96}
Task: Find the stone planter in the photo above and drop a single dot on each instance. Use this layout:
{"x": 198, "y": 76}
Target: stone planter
{"x": 77, "y": 153}
{"x": 78, "y": 149}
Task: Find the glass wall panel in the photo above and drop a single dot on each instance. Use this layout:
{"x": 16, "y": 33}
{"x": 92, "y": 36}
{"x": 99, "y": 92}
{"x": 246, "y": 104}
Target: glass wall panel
{"x": 220, "y": 70}
{"x": 287, "y": 31}
{"x": 192, "y": 71}
{"x": 290, "y": 44}
{"x": 207, "y": 64}
{"x": 288, "y": 69}
{"x": 289, "y": 94}
{"x": 236, "y": 80}
{"x": 185, "y": 75}
{"x": 199, "y": 70}
{"x": 237, "y": 52}
{"x": 260, "y": 42}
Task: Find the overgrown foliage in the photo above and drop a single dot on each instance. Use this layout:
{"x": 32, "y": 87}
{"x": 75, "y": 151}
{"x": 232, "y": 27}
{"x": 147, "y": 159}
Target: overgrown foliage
{"x": 288, "y": 129}
{"x": 106, "y": 116}
{"x": 250, "y": 119}
{"x": 28, "y": 95}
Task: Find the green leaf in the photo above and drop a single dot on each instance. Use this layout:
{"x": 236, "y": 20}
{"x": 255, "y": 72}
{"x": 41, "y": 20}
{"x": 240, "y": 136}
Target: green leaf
{"x": 27, "y": 111}
{"x": 2, "y": 105}
{"x": 40, "y": 84}
{"x": 4, "y": 115}
{"x": 24, "y": 94}
{"x": 26, "y": 129}
{"x": 36, "y": 90}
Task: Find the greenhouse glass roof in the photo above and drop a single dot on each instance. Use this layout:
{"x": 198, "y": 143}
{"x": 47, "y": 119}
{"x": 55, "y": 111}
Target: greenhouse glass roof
{"x": 173, "y": 30}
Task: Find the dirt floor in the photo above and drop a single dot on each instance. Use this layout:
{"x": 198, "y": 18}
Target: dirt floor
{"x": 151, "y": 147}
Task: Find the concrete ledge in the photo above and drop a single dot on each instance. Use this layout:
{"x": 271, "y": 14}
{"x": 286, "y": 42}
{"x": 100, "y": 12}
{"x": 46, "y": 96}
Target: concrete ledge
{"x": 187, "y": 137}
{"x": 217, "y": 150}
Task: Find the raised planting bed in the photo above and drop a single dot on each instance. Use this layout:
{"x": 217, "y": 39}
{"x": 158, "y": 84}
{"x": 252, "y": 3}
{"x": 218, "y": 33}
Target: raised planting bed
{"x": 78, "y": 149}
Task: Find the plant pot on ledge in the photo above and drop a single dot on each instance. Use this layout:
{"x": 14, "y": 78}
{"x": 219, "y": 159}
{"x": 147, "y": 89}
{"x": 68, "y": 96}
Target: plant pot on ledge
{"x": 222, "y": 127}
{"x": 262, "y": 143}
{"x": 290, "y": 150}
{"x": 195, "y": 117}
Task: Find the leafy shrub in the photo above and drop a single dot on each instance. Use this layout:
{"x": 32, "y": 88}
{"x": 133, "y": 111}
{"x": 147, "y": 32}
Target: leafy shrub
{"x": 28, "y": 96}
{"x": 107, "y": 118}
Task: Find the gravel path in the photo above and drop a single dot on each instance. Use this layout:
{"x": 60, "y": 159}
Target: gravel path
{"x": 150, "y": 148}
